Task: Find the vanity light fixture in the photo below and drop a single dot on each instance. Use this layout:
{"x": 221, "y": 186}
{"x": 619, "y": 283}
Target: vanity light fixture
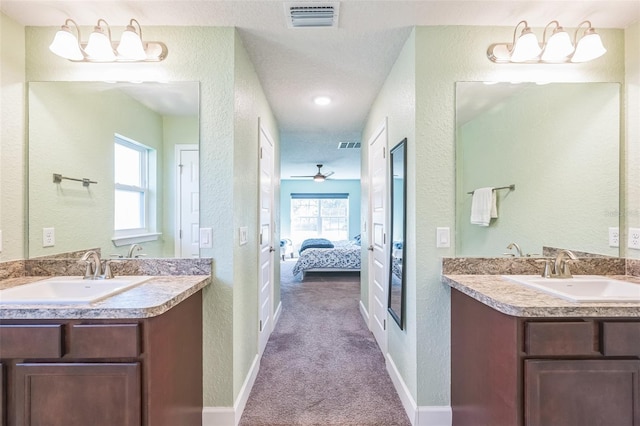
{"x": 558, "y": 48}
{"x": 100, "y": 47}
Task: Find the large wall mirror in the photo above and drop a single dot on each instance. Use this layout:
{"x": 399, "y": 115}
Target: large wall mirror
{"x": 136, "y": 147}
{"x": 559, "y": 144}
{"x": 398, "y": 197}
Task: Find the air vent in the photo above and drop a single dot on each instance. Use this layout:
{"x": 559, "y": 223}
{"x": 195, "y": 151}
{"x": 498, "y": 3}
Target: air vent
{"x": 348, "y": 145}
{"x": 309, "y": 15}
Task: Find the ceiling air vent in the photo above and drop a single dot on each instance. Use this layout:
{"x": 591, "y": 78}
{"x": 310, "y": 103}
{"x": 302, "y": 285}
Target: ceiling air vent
{"x": 348, "y": 145}
{"x": 311, "y": 14}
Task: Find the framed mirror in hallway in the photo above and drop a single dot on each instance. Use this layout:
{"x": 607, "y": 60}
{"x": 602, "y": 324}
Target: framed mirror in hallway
{"x": 398, "y": 195}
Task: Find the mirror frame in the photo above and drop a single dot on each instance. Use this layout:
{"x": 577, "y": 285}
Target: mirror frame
{"x": 398, "y": 157}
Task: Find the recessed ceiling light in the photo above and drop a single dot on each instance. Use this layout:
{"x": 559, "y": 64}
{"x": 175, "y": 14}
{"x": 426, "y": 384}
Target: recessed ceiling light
{"x": 322, "y": 100}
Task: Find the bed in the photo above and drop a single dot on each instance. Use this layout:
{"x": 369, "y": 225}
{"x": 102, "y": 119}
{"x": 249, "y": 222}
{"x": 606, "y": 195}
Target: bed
{"x": 321, "y": 255}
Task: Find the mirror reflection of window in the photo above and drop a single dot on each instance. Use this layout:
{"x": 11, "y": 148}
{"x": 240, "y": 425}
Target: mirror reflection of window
{"x": 132, "y": 186}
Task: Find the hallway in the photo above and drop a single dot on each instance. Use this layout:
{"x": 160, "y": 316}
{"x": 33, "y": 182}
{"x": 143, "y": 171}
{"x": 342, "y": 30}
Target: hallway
{"x": 321, "y": 365}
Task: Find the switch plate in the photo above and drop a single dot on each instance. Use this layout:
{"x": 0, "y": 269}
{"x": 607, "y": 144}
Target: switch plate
{"x": 634, "y": 238}
{"x": 614, "y": 237}
{"x": 243, "y": 235}
{"x": 443, "y": 239}
{"x": 48, "y": 237}
{"x": 206, "y": 238}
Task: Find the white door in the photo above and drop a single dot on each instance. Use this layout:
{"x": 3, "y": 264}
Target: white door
{"x": 267, "y": 245}
{"x": 188, "y": 202}
{"x": 378, "y": 289}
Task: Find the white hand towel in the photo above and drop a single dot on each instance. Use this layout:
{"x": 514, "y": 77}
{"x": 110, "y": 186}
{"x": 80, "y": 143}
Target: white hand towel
{"x": 483, "y": 206}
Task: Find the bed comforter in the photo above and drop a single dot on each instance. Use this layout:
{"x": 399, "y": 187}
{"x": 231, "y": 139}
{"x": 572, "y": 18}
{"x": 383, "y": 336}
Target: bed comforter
{"x": 345, "y": 256}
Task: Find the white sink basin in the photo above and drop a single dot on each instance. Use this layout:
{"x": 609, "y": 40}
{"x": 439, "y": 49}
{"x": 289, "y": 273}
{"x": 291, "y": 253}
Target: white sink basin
{"x": 582, "y": 288}
{"x": 63, "y": 290}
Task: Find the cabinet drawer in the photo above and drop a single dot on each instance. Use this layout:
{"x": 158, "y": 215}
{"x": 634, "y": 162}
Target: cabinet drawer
{"x": 560, "y": 338}
{"x": 621, "y": 338}
{"x": 30, "y": 341}
{"x": 104, "y": 341}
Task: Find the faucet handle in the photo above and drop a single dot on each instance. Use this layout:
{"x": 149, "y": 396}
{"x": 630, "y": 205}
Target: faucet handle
{"x": 106, "y": 269}
{"x": 564, "y": 267}
{"x": 546, "y": 271}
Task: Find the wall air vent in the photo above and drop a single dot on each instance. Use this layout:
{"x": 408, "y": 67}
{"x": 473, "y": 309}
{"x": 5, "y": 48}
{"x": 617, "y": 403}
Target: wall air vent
{"x": 312, "y": 14}
{"x": 348, "y": 145}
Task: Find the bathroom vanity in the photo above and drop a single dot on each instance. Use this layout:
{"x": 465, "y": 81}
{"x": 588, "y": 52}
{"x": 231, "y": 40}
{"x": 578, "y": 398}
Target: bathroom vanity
{"x": 133, "y": 359}
{"x": 520, "y": 357}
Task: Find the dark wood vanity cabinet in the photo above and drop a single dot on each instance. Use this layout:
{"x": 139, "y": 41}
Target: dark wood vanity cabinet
{"x": 130, "y": 372}
{"x": 511, "y": 371}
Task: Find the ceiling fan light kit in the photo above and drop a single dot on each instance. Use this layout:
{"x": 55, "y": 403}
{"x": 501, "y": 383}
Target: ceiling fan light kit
{"x": 318, "y": 177}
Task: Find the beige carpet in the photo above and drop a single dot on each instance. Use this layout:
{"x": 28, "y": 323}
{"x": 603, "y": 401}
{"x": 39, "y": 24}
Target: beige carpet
{"x": 322, "y": 365}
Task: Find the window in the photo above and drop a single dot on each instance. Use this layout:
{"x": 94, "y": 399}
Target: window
{"x": 319, "y": 216}
{"x": 132, "y": 188}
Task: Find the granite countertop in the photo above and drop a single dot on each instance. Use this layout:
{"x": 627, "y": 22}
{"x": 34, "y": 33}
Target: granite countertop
{"x": 521, "y": 301}
{"x": 149, "y": 299}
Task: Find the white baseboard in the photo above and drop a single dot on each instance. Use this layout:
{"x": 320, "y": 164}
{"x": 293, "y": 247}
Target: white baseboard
{"x": 364, "y": 313}
{"x": 230, "y": 416}
{"x": 419, "y": 416}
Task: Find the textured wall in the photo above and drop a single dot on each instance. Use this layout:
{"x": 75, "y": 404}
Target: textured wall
{"x": 396, "y": 103}
{"x": 12, "y": 147}
{"x": 630, "y": 211}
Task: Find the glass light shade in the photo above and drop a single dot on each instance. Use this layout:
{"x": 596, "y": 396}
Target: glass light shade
{"x": 99, "y": 47}
{"x": 558, "y": 47}
{"x": 66, "y": 45}
{"x": 588, "y": 47}
{"x": 526, "y": 47}
{"x": 130, "y": 46}
{"x": 318, "y": 178}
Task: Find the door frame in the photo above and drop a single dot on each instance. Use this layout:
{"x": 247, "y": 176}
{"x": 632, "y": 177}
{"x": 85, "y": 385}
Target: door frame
{"x": 177, "y": 241}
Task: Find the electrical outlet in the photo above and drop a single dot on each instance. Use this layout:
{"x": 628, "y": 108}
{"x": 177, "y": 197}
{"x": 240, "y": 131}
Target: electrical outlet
{"x": 634, "y": 238}
{"x": 48, "y": 237}
{"x": 614, "y": 237}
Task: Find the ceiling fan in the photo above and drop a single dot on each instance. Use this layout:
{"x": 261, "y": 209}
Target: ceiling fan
{"x": 318, "y": 177}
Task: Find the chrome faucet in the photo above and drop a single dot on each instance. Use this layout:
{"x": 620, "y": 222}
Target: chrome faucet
{"x": 132, "y": 248}
{"x": 94, "y": 270}
{"x": 517, "y": 247}
{"x": 561, "y": 264}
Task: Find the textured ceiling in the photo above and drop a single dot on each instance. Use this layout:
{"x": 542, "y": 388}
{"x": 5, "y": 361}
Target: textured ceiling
{"x": 348, "y": 63}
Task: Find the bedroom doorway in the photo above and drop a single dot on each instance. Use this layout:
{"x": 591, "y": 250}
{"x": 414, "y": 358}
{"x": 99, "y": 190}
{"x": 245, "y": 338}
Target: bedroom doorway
{"x": 377, "y": 236}
{"x": 267, "y": 241}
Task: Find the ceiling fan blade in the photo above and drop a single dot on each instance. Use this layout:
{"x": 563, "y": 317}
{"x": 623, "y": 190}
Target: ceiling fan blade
{"x": 326, "y": 175}
{"x": 310, "y": 176}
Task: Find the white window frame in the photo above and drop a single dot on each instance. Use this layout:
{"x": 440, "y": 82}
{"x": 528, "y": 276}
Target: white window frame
{"x": 319, "y": 217}
{"x": 148, "y": 232}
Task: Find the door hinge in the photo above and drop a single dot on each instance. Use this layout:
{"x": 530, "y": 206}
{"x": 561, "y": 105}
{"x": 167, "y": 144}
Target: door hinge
{"x": 261, "y": 153}
{"x": 260, "y": 239}
{"x": 384, "y": 152}
{"x": 180, "y": 166}
{"x": 181, "y": 234}
{"x": 260, "y": 325}
{"x": 384, "y": 324}
{"x": 384, "y": 238}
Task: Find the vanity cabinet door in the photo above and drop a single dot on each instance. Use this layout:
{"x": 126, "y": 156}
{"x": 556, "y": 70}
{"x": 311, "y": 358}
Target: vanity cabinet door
{"x": 77, "y": 394}
{"x": 2, "y": 397}
{"x": 582, "y": 392}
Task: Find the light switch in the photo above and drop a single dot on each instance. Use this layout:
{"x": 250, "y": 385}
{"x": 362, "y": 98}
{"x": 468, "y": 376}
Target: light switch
{"x": 205, "y": 238}
{"x": 244, "y": 231}
{"x": 443, "y": 238}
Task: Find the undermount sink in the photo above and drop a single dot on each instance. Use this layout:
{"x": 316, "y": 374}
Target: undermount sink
{"x": 64, "y": 290}
{"x": 582, "y": 288}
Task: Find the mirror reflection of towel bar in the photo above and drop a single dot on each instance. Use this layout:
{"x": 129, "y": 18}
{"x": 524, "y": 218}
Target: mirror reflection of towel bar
{"x": 511, "y": 187}
{"x": 57, "y": 178}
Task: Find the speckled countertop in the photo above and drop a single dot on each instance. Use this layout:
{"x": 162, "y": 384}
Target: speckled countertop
{"x": 517, "y": 300}
{"x": 149, "y": 299}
